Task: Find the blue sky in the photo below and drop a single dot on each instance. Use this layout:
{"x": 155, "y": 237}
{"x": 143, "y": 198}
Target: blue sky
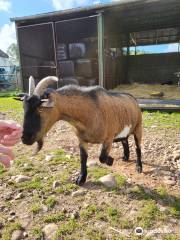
{"x": 19, "y": 8}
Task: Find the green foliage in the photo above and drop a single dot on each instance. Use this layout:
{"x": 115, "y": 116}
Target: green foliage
{"x": 33, "y": 184}
{"x": 50, "y": 202}
{"x": 13, "y": 53}
{"x": 89, "y": 211}
{"x": 112, "y": 213}
{"x": 175, "y": 208}
{"x": 35, "y": 208}
{"x": 66, "y": 229}
{"x": 54, "y": 218}
{"x": 97, "y": 172}
{"x": 148, "y": 214}
{"x": 95, "y": 234}
{"x": 37, "y": 233}
{"x": 121, "y": 180}
{"x": 162, "y": 192}
{"x": 171, "y": 237}
{"x": 7, "y": 231}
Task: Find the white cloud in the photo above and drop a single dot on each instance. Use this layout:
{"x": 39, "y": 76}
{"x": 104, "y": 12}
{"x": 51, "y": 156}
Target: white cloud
{"x": 67, "y": 4}
{"x": 173, "y": 47}
{"x": 7, "y": 36}
{"x": 96, "y": 2}
{"x": 5, "y": 5}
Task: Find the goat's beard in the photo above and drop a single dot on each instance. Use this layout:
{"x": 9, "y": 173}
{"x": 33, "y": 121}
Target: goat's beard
{"x": 39, "y": 146}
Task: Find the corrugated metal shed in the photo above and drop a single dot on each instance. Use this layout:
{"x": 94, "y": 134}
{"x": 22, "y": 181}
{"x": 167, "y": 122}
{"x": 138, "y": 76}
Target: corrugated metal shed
{"x": 117, "y": 25}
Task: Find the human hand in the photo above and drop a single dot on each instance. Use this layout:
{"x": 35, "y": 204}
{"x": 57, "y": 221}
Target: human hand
{"x": 10, "y": 132}
{"x": 6, "y": 155}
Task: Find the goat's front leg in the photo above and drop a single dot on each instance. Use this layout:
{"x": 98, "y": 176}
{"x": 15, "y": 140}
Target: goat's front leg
{"x": 104, "y": 156}
{"x": 83, "y": 155}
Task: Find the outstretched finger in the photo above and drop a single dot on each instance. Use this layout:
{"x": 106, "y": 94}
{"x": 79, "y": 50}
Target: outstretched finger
{"x": 12, "y": 136}
{"x": 10, "y": 143}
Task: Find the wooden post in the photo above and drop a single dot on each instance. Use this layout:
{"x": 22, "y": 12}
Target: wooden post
{"x": 127, "y": 58}
{"x": 55, "y": 49}
{"x": 100, "y": 21}
{"x": 22, "y": 80}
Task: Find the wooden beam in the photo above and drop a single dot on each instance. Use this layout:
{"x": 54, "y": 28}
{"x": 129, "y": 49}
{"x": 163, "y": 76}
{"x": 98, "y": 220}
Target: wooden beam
{"x": 100, "y": 21}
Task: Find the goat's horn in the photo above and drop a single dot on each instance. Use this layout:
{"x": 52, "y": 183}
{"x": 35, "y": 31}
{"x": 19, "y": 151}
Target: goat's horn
{"x": 44, "y": 83}
{"x": 31, "y": 85}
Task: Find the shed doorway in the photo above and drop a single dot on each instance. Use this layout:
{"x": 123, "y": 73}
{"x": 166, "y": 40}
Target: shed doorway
{"x": 77, "y": 50}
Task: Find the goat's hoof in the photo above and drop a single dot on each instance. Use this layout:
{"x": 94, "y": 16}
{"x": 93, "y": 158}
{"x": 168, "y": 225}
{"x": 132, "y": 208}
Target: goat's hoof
{"x": 102, "y": 160}
{"x": 81, "y": 180}
{"x": 125, "y": 158}
{"x": 139, "y": 169}
{"x": 109, "y": 161}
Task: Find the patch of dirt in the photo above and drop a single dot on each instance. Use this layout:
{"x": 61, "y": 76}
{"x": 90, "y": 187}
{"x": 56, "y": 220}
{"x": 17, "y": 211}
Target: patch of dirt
{"x": 156, "y": 150}
{"x": 160, "y": 149}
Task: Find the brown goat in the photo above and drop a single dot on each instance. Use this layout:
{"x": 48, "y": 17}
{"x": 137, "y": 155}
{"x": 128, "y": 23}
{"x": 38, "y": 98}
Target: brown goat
{"x": 97, "y": 115}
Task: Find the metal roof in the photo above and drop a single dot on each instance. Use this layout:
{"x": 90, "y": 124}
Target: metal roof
{"x": 127, "y": 15}
{"x": 3, "y": 54}
{"x": 95, "y": 7}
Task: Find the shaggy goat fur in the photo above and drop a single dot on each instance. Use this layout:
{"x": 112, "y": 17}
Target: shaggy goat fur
{"x": 97, "y": 115}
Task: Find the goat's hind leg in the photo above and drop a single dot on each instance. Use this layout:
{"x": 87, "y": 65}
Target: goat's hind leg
{"x": 104, "y": 156}
{"x": 83, "y": 155}
{"x": 125, "y": 144}
{"x": 137, "y": 138}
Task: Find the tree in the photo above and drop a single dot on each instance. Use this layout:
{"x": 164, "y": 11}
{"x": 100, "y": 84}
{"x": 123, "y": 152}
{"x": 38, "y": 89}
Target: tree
{"x": 13, "y": 53}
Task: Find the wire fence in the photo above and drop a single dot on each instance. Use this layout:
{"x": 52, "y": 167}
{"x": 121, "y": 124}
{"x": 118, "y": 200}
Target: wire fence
{"x": 9, "y": 78}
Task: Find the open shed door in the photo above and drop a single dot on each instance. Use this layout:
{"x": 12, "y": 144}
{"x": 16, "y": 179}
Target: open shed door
{"x": 37, "y": 51}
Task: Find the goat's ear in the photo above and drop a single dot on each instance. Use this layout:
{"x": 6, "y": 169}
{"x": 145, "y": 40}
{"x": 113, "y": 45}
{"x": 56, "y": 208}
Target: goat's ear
{"x": 20, "y": 96}
{"x": 47, "y": 103}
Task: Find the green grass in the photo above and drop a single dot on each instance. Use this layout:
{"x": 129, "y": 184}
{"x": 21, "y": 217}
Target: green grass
{"x": 54, "y": 218}
{"x": 89, "y": 212}
{"x": 33, "y": 184}
{"x": 35, "y": 208}
{"x": 97, "y": 172}
{"x": 95, "y": 234}
{"x": 50, "y": 202}
{"x": 13, "y": 108}
{"x": 113, "y": 213}
{"x": 66, "y": 228}
{"x": 37, "y": 233}
{"x": 8, "y": 230}
{"x": 161, "y": 120}
{"x": 148, "y": 214}
{"x": 175, "y": 208}
{"x": 171, "y": 237}
{"x": 139, "y": 192}
{"x": 162, "y": 192}
{"x": 9, "y": 93}
{"x": 2, "y": 169}
{"x": 121, "y": 181}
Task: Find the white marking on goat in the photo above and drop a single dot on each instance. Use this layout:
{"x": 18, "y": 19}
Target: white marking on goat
{"x": 124, "y": 133}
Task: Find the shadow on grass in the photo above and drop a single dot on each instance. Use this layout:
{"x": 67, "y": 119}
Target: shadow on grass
{"x": 138, "y": 192}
